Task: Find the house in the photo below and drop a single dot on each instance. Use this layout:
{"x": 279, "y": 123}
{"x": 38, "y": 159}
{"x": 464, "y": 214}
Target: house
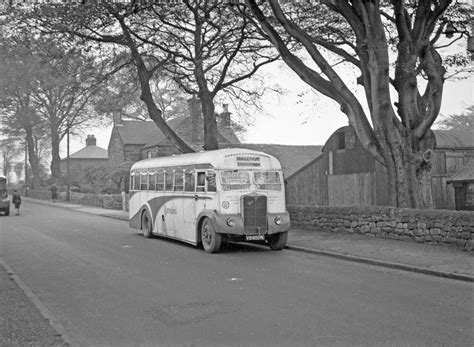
{"x": 346, "y": 174}
{"x": 131, "y": 141}
{"x": 463, "y": 184}
{"x": 89, "y": 156}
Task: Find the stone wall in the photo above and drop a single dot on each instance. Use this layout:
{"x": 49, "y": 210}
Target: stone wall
{"x": 426, "y": 226}
{"x": 112, "y": 201}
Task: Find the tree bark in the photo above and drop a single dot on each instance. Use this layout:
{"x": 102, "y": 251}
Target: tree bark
{"x": 33, "y": 159}
{"x": 55, "y": 158}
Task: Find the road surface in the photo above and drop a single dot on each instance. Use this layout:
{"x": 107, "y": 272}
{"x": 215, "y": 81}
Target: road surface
{"x": 107, "y": 285}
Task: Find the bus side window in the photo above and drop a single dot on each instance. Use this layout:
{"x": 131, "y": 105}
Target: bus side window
{"x": 143, "y": 181}
{"x": 201, "y": 182}
{"x": 152, "y": 181}
{"x": 135, "y": 181}
{"x": 189, "y": 181}
{"x": 169, "y": 180}
{"x": 160, "y": 180}
{"x": 178, "y": 181}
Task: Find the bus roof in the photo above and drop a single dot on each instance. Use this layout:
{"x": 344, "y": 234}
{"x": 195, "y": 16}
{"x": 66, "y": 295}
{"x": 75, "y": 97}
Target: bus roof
{"x": 229, "y": 158}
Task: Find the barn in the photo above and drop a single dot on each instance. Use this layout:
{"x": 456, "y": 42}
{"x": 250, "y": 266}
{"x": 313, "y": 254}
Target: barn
{"x": 345, "y": 174}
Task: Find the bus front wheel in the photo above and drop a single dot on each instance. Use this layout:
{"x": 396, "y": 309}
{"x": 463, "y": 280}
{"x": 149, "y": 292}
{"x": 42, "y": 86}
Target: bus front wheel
{"x": 146, "y": 225}
{"x": 278, "y": 241}
{"x": 211, "y": 241}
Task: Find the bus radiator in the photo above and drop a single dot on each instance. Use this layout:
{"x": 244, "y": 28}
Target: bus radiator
{"x": 255, "y": 214}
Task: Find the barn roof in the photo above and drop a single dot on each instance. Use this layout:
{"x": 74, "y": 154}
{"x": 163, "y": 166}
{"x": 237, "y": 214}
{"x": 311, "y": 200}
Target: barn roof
{"x": 454, "y": 138}
{"x": 292, "y": 158}
{"x": 466, "y": 174}
{"x": 90, "y": 152}
{"x": 444, "y": 138}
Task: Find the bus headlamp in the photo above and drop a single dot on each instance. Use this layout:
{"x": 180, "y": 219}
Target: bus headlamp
{"x": 278, "y": 220}
{"x": 230, "y": 221}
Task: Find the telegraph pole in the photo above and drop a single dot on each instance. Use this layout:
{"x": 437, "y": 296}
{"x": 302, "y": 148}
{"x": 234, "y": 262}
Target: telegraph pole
{"x": 68, "y": 191}
{"x": 26, "y": 168}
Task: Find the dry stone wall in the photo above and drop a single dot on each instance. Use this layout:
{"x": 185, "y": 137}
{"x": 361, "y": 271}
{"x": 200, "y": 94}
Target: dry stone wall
{"x": 110, "y": 201}
{"x": 426, "y": 226}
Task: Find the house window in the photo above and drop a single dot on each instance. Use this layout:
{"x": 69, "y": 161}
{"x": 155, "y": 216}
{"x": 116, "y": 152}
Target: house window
{"x": 341, "y": 140}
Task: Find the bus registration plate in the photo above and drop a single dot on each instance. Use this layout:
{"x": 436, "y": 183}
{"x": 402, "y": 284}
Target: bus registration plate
{"x": 254, "y": 237}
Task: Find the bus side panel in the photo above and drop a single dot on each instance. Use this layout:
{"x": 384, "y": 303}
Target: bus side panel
{"x": 186, "y": 218}
{"x": 134, "y": 210}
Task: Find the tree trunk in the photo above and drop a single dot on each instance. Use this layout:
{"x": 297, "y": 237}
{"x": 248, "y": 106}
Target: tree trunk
{"x": 210, "y": 124}
{"x": 408, "y": 170}
{"x": 33, "y": 159}
{"x": 56, "y": 159}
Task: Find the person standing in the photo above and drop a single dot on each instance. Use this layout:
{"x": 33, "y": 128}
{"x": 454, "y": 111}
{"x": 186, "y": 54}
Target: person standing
{"x": 54, "y": 193}
{"x": 16, "y": 199}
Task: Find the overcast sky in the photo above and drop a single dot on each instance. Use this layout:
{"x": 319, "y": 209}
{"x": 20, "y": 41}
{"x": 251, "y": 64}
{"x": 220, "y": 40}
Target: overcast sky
{"x": 309, "y": 120}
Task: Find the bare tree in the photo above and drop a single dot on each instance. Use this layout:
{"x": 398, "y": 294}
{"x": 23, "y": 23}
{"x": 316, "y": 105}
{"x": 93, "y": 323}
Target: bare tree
{"x": 19, "y": 117}
{"x": 64, "y": 84}
{"x": 365, "y": 34}
{"x": 215, "y": 51}
{"x": 212, "y": 51}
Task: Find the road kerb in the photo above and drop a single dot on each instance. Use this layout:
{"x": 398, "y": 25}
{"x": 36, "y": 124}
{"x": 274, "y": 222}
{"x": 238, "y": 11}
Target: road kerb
{"x": 55, "y": 324}
{"x": 398, "y": 266}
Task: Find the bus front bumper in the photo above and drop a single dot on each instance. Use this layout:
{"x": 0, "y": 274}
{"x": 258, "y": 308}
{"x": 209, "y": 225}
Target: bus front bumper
{"x": 233, "y": 224}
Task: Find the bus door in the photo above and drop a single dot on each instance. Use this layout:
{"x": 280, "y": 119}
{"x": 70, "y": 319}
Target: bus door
{"x": 195, "y": 185}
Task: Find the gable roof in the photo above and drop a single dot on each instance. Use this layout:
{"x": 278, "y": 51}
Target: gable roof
{"x": 134, "y": 132}
{"x": 292, "y": 158}
{"x": 466, "y": 174}
{"x": 89, "y": 152}
{"x": 184, "y": 128}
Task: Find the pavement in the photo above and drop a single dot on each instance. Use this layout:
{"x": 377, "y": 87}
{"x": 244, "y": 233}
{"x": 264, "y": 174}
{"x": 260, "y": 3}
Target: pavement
{"x": 33, "y": 325}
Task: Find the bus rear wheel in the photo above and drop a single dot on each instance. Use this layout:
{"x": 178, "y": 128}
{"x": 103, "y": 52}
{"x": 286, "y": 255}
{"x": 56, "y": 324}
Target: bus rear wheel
{"x": 147, "y": 225}
{"x": 211, "y": 241}
{"x": 278, "y": 241}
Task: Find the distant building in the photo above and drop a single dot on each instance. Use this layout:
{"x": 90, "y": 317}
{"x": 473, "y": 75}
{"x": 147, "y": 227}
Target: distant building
{"x": 345, "y": 174}
{"x": 89, "y": 156}
{"x": 463, "y": 184}
{"x": 131, "y": 141}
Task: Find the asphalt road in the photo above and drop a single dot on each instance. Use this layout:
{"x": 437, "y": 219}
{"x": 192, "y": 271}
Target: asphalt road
{"x": 107, "y": 285}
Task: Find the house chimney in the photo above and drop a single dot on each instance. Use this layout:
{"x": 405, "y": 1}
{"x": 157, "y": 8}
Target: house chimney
{"x": 117, "y": 117}
{"x": 225, "y": 116}
{"x": 91, "y": 140}
{"x": 194, "y": 105}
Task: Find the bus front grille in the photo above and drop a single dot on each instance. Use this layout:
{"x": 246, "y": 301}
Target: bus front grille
{"x": 254, "y": 214}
